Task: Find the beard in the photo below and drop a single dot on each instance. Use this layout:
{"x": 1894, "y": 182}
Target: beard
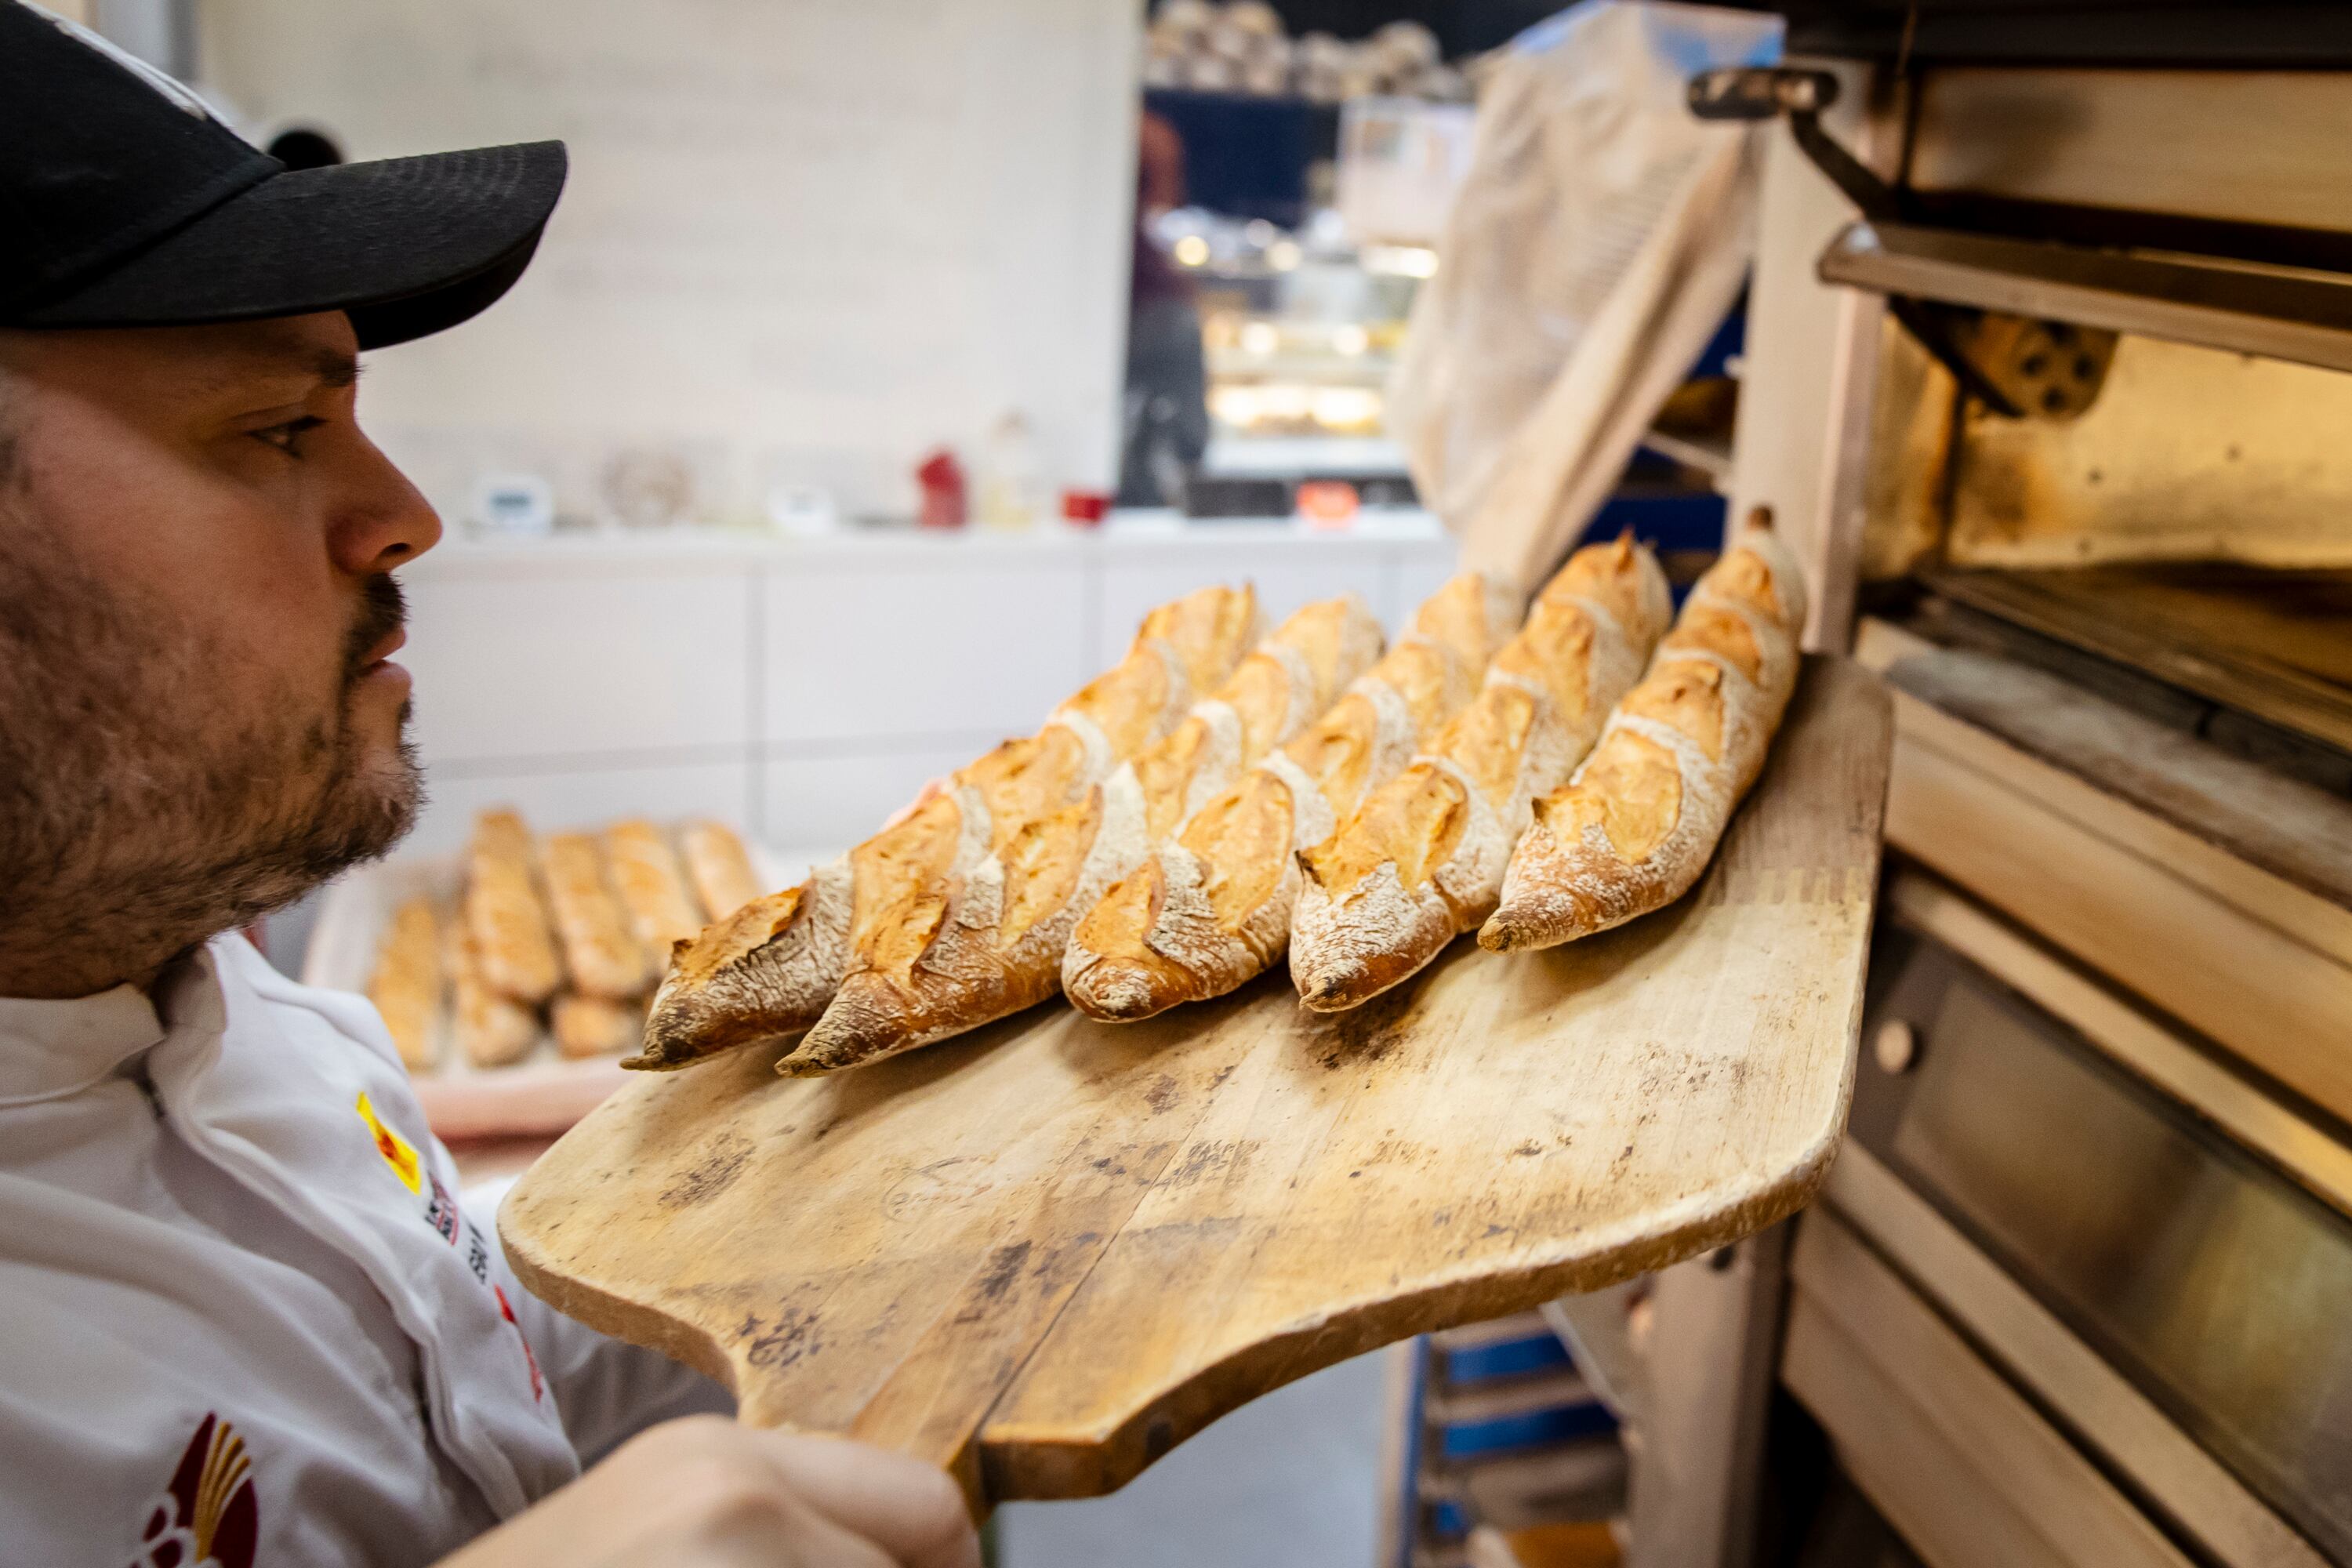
{"x": 149, "y": 801}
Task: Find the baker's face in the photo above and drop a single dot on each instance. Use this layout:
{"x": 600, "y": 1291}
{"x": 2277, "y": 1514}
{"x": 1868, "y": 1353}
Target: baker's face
{"x": 198, "y": 717}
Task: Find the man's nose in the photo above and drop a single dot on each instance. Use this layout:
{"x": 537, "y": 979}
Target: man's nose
{"x": 382, "y": 520}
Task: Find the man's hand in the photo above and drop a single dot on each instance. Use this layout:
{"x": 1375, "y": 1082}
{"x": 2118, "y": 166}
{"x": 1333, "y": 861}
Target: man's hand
{"x": 706, "y": 1493}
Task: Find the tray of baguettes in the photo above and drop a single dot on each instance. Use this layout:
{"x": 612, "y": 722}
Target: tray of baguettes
{"x": 1142, "y": 1065}
{"x": 513, "y": 976}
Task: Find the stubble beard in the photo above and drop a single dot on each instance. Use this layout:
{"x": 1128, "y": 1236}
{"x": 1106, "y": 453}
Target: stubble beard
{"x": 140, "y": 813}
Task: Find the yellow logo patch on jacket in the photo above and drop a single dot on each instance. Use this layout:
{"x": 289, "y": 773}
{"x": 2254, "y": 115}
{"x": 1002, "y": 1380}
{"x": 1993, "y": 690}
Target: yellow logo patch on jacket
{"x": 398, "y": 1152}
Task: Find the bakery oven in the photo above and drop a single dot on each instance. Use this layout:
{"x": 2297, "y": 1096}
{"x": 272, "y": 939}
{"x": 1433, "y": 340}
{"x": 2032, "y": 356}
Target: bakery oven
{"x": 2051, "y": 369}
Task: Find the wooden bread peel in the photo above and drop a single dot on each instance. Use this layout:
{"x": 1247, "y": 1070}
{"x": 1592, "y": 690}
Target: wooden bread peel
{"x": 1043, "y": 1254}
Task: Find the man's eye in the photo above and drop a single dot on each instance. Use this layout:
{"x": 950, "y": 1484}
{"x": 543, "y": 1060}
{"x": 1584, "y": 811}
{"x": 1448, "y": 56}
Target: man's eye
{"x": 287, "y": 437}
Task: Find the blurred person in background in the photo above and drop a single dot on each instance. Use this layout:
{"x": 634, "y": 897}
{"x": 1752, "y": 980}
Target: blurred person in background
{"x": 248, "y": 1320}
{"x": 1165, "y": 415}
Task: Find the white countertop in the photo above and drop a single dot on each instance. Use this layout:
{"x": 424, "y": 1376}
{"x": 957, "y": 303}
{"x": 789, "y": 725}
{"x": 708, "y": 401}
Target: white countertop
{"x": 1126, "y": 532}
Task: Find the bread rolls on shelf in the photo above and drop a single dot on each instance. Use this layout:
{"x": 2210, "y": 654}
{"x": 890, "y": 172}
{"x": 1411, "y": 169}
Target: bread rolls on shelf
{"x": 490, "y": 1027}
{"x": 1423, "y": 858}
{"x": 603, "y": 954}
{"x": 1209, "y": 910}
{"x": 406, "y": 984}
{"x": 770, "y": 968}
{"x": 506, "y": 921}
{"x": 987, "y": 938}
{"x": 652, "y": 886}
{"x": 720, "y": 867}
{"x": 1637, "y": 824}
{"x": 594, "y": 1025}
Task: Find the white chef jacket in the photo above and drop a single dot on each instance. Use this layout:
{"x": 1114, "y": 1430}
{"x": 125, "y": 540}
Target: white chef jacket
{"x": 243, "y": 1317}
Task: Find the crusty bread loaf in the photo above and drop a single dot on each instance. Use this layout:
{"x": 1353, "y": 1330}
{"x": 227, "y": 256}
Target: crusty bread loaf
{"x": 594, "y": 1025}
{"x": 652, "y": 885}
{"x": 1643, "y": 815}
{"x": 770, "y": 968}
{"x": 492, "y": 1029}
{"x": 604, "y": 955}
{"x": 1423, "y": 858}
{"x": 720, "y": 867}
{"x": 985, "y": 938}
{"x": 1208, "y": 912}
{"x": 505, "y": 917}
{"x": 406, "y": 984}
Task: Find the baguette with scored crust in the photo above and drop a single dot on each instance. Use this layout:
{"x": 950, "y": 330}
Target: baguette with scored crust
{"x": 594, "y": 1025}
{"x": 652, "y": 885}
{"x": 1643, "y": 816}
{"x": 770, "y": 968}
{"x": 1210, "y": 910}
{"x": 719, "y": 867}
{"x": 506, "y": 921}
{"x": 1422, "y": 859}
{"x": 987, "y": 937}
{"x": 492, "y": 1029}
{"x": 406, "y": 984}
{"x": 604, "y": 956}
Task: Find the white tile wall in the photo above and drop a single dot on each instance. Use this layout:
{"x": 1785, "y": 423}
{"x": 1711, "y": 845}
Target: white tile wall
{"x": 870, "y": 650}
{"x": 838, "y": 800}
{"x": 514, "y": 667}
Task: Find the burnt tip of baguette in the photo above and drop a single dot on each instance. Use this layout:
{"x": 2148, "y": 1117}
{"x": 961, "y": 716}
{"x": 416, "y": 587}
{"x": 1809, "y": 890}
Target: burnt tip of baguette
{"x": 1499, "y": 935}
{"x": 1121, "y": 1007}
{"x": 1113, "y": 993}
{"x": 1336, "y": 991}
{"x": 1503, "y": 932}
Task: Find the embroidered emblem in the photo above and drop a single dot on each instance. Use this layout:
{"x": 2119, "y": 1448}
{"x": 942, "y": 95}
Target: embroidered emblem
{"x": 442, "y": 1213}
{"x": 529, "y": 1359}
{"x": 206, "y": 1518}
{"x": 398, "y": 1152}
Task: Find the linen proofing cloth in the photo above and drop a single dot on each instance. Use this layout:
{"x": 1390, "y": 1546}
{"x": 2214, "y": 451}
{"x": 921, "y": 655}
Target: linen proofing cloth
{"x": 248, "y": 1318}
{"x": 1600, "y": 237}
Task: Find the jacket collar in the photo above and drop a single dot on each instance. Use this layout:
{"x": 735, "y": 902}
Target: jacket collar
{"x": 52, "y": 1048}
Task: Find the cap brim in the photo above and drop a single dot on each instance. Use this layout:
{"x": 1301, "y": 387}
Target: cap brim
{"x": 406, "y": 245}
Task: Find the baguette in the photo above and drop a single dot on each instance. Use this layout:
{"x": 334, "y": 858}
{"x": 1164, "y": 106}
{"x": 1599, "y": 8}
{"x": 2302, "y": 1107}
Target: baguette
{"x": 406, "y": 984}
{"x": 652, "y": 885}
{"x": 1423, "y": 858}
{"x": 505, "y": 919}
{"x": 606, "y": 960}
{"x": 594, "y": 1025}
{"x": 770, "y": 968}
{"x": 1643, "y": 816}
{"x": 492, "y": 1029}
{"x": 720, "y": 867}
{"x": 1209, "y": 910}
{"x": 988, "y": 940}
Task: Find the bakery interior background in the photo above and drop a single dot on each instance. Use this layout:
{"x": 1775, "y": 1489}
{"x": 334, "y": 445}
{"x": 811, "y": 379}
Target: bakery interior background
{"x": 871, "y": 336}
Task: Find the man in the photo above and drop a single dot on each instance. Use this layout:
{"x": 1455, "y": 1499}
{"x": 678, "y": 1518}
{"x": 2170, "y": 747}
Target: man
{"x": 246, "y": 1319}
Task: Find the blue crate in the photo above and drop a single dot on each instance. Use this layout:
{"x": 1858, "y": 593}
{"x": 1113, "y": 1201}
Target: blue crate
{"x": 1505, "y": 1358}
{"x": 1562, "y": 1425}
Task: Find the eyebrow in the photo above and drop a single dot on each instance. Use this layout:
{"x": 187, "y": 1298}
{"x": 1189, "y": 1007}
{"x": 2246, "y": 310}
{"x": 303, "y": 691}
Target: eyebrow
{"x": 330, "y": 367}
{"x": 334, "y": 367}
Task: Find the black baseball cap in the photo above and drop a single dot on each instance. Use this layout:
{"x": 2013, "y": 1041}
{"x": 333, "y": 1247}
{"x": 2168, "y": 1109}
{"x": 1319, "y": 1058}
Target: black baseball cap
{"x": 123, "y": 202}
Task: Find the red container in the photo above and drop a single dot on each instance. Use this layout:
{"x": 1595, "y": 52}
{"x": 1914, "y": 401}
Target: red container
{"x": 1327, "y": 504}
{"x": 945, "y": 501}
{"x": 1085, "y": 509}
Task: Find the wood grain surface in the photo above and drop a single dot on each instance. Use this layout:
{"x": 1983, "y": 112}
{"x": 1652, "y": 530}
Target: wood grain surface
{"x": 1046, "y": 1253}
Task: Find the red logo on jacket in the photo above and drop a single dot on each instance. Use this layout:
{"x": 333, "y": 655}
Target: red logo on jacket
{"x": 205, "y": 1518}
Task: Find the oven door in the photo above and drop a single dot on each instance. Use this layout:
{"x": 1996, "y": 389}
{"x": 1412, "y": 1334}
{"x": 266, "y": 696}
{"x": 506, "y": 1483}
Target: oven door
{"x": 2049, "y": 1314}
